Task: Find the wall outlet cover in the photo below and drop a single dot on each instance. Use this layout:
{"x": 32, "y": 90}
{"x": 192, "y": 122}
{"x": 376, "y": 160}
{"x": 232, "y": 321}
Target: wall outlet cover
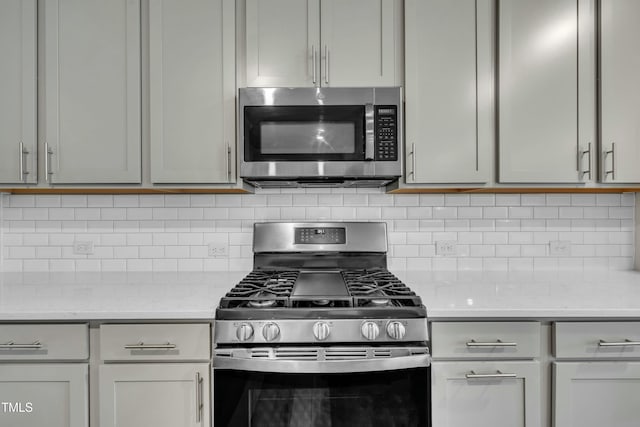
{"x": 83, "y": 247}
{"x": 217, "y": 250}
{"x": 446, "y": 247}
{"x": 560, "y": 248}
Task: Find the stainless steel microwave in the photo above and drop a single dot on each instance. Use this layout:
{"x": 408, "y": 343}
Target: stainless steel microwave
{"x": 304, "y": 137}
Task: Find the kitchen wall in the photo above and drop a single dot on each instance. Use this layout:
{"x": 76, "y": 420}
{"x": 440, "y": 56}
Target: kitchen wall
{"x": 213, "y": 232}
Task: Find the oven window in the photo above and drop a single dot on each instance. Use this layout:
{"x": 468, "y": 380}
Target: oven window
{"x": 304, "y": 133}
{"x": 372, "y": 399}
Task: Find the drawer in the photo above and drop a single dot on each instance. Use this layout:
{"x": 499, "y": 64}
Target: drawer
{"x": 597, "y": 340}
{"x": 155, "y": 342}
{"x": 44, "y": 342}
{"x": 485, "y": 340}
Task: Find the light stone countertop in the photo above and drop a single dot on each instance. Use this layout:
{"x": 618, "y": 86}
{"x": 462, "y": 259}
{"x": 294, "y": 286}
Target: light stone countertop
{"x": 447, "y": 295}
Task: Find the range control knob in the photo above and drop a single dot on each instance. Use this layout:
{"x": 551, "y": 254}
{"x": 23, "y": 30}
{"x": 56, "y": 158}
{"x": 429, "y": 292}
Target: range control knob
{"x": 270, "y": 331}
{"x": 244, "y": 332}
{"x": 370, "y": 330}
{"x": 321, "y": 330}
{"x": 396, "y": 330}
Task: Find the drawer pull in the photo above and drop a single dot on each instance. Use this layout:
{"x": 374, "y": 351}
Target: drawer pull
{"x": 473, "y": 376}
{"x": 497, "y": 343}
{"x": 143, "y": 346}
{"x": 11, "y": 345}
{"x": 625, "y": 343}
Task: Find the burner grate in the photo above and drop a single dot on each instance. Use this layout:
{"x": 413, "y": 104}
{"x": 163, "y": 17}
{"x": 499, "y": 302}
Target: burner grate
{"x": 262, "y": 289}
{"x": 378, "y": 288}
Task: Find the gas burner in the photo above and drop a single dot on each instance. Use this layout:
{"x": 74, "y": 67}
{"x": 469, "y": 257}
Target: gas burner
{"x": 262, "y": 289}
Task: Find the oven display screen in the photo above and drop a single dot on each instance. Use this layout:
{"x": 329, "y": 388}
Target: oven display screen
{"x": 320, "y": 236}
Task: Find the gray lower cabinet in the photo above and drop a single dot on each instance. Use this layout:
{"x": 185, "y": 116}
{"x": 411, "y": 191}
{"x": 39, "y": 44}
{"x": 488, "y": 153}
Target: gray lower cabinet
{"x": 154, "y": 395}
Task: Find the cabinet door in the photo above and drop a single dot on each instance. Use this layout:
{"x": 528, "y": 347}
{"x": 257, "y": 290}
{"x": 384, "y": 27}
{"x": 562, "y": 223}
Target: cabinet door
{"x": 595, "y": 394}
{"x": 49, "y": 395}
{"x": 282, "y": 42}
{"x": 92, "y": 78}
{"x": 546, "y": 115}
{"x": 449, "y": 88}
{"x": 620, "y": 90}
{"x": 154, "y": 395}
{"x": 18, "y": 91}
{"x": 359, "y": 43}
{"x": 507, "y": 396}
{"x": 192, "y": 74}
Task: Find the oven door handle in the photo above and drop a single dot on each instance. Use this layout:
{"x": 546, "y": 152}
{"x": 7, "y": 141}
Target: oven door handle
{"x": 322, "y": 366}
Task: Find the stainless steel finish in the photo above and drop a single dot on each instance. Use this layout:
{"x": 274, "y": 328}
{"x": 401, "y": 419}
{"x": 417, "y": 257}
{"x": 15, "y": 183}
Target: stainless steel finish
{"x": 497, "y": 343}
{"x": 47, "y": 162}
{"x": 370, "y": 330}
{"x": 581, "y": 154}
{"x": 270, "y": 331}
{"x": 312, "y": 173}
{"x": 369, "y": 132}
{"x": 314, "y": 65}
{"x": 321, "y": 330}
{"x": 12, "y": 345}
{"x": 472, "y": 375}
{"x": 23, "y": 154}
{"x": 300, "y": 331}
{"x": 326, "y": 64}
{"x": 244, "y": 332}
{"x": 321, "y": 359}
{"x": 625, "y": 343}
{"x": 413, "y": 162}
{"x": 396, "y": 330}
{"x": 199, "y": 400}
{"x": 611, "y": 171}
{"x": 228, "y": 166}
{"x": 143, "y": 346}
{"x": 279, "y": 237}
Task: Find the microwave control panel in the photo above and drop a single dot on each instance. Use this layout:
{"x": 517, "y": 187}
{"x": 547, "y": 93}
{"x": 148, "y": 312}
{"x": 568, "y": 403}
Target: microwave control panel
{"x": 386, "y": 125}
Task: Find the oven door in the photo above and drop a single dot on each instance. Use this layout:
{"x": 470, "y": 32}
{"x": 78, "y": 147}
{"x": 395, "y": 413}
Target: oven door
{"x": 390, "y": 392}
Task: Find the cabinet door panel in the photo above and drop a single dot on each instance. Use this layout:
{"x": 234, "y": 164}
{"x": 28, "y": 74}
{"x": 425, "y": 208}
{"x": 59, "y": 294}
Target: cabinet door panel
{"x": 359, "y": 42}
{"x": 620, "y": 90}
{"x": 18, "y": 91}
{"x": 159, "y": 395}
{"x": 448, "y": 91}
{"x": 594, "y": 394}
{"x": 192, "y": 74}
{"x": 44, "y": 395}
{"x": 458, "y": 401}
{"x": 280, "y": 38}
{"x": 92, "y": 78}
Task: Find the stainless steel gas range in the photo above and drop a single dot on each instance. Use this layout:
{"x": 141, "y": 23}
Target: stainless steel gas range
{"x": 321, "y": 334}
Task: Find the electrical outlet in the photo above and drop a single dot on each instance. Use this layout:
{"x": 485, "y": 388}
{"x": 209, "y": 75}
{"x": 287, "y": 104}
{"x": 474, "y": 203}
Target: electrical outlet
{"x": 560, "y": 248}
{"x": 446, "y": 247}
{"x": 218, "y": 250}
{"x": 83, "y": 247}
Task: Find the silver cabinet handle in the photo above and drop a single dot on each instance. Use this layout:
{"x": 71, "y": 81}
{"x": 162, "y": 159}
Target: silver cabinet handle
{"x": 228, "y": 162}
{"x": 199, "y": 400}
{"x": 611, "y": 171}
{"x": 314, "y": 65}
{"x": 12, "y": 345}
{"x": 625, "y": 343}
{"x": 326, "y": 64}
{"x": 473, "y": 376}
{"x": 143, "y": 346}
{"x": 413, "y": 162}
{"x": 497, "y": 343}
{"x": 581, "y": 154}
{"x": 47, "y": 162}
{"x": 23, "y": 154}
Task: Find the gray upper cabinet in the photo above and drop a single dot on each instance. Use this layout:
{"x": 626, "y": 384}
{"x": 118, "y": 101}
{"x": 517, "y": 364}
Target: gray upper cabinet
{"x": 449, "y": 91}
{"x": 620, "y": 90}
{"x": 92, "y": 90}
{"x": 18, "y": 160}
{"x": 192, "y": 91}
{"x": 546, "y": 91}
{"x": 323, "y": 43}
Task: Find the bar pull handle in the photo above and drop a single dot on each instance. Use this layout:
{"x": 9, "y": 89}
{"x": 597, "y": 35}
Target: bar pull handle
{"x": 228, "y": 164}
{"x": 47, "y": 162}
{"x": 36, "y": 345}
{"x": 611, "y": 171}
{"x": 473, "y": 376}
{"x": 199, "y": 399}
{"x": 23, "y": 154}
{"x": 143, "y": 346}
{"x": 369, "y": 140}
{"x": 625, "y": 343}
{"x": 581, "y": 154}
{"x": 413, "y": 163}
{"x": 326, "y": 64}
{"x": 497, "y": 343}
{"x": 314, "y": 64}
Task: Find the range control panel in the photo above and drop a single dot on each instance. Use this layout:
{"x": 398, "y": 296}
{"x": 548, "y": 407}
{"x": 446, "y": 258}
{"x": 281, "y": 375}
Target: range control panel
{"x": 386, "y": 125}
{"x": 320, "y": 236}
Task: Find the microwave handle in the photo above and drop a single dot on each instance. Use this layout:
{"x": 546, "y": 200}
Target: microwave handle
{"x": 369, "y": 135}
